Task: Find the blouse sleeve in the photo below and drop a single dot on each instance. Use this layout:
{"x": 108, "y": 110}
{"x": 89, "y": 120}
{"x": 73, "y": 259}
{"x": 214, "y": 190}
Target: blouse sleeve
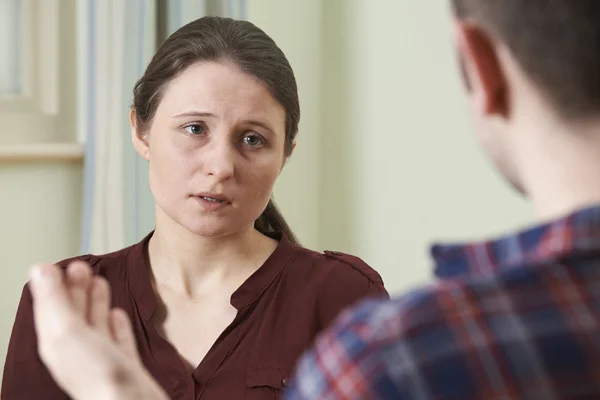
{"x": 349, "y": 282}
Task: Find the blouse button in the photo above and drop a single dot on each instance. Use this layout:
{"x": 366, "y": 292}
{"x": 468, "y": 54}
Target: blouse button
{"x": 286, "y": 382}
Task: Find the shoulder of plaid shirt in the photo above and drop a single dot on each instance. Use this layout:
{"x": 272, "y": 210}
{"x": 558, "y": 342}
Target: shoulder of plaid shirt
{"x": 512, "y": 318}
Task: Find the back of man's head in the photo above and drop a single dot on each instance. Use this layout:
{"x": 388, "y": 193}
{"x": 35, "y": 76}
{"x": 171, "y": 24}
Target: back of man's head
{"x": 556, "y": 43}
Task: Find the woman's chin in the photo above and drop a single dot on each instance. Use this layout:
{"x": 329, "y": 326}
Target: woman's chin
{"x": 215, "y": 230}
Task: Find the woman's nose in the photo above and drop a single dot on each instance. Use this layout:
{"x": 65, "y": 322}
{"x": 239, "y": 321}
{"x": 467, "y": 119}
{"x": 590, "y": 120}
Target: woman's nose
{"x": 219, "y": 160}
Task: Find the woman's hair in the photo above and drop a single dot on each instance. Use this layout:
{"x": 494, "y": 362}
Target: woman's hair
{"x": 230, "y": 41}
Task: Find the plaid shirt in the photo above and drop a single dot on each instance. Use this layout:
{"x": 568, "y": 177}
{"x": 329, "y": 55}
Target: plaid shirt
{"x": 514, "y": 318}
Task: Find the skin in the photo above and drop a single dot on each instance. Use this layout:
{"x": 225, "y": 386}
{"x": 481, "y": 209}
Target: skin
{"x": 514, "y": 122}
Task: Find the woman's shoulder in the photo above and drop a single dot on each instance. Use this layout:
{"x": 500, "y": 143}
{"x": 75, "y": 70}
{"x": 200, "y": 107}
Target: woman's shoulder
{"x": 331, "y": 262}
{"x": 337, "y": 279}
{"x": 100, "y": 262}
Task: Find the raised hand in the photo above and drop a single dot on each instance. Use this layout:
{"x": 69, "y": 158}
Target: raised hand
{"x": 88, "y": 348}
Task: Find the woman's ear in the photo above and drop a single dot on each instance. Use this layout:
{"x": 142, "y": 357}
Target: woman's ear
{"x": 138, "y": 138}
{"x": 287, "y": 158}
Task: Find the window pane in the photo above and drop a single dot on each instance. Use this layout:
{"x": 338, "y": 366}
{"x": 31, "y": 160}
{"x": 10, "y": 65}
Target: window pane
{"x": 10, "y": 48}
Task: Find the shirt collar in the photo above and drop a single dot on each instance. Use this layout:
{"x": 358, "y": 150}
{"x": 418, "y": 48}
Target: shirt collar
{"x": 139, "y": 278}
{"x": 262, "y": 278}
{"x": 576, "y": 234}
{"x": 247, "y": 293}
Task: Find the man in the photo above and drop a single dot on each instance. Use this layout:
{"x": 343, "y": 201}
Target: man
{"x": 512, "y": 318}
{"x": 517, "y": 317}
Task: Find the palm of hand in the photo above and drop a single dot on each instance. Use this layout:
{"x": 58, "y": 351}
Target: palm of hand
{"x": 88, "y": 347}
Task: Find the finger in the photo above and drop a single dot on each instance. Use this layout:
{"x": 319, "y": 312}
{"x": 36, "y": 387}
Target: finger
{"x": 122, "y": 332}
{"x": 79, "y": 281}
{"x": 51, "y": 300}
{"x": 99, "y": 305}
{"x": 53, "y": 312}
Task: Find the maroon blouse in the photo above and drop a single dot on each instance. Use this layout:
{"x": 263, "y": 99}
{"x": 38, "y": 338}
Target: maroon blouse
{"x": 294, "y": 295}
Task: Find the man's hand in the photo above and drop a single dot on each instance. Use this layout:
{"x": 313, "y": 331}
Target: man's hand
{"x": 89, "y": 349}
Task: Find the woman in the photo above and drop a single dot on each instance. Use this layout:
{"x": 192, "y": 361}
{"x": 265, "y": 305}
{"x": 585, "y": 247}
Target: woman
{"x": 222, "y": 299}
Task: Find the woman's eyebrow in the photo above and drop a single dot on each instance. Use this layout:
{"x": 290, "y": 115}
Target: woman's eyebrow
{"x": 262, "y": 124}
{"x": 194, "y": 114}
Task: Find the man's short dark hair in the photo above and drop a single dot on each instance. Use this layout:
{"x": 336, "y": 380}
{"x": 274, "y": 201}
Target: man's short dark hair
{"x": 556, "y": 42}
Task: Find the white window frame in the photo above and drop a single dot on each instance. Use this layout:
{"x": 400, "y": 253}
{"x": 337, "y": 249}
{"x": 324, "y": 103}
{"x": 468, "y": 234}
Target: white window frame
{"x": 40, "y": 77}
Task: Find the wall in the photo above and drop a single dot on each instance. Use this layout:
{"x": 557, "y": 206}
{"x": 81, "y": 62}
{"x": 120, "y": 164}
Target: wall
{"x": 39, "y": 214}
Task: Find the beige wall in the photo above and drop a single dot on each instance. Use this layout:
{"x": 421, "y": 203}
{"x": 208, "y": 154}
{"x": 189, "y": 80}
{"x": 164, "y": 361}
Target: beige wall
{"x": 39, "y": 214}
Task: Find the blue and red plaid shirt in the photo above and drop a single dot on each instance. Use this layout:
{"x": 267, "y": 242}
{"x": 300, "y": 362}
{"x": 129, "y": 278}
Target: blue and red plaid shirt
{"x": 514, "y": 318}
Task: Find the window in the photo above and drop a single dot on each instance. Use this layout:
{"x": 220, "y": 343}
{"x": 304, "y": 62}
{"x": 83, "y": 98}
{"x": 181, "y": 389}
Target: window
{"x": 37, "y": 72}
{"x": 11, "y": 21}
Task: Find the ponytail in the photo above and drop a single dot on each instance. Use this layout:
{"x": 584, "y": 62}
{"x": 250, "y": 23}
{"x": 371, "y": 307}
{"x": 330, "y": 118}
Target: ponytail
{"x": 271, "y": 221}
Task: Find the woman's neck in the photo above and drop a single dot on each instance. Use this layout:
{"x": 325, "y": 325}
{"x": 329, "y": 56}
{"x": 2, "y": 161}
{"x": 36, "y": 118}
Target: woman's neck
{"x": 188, "y": 263}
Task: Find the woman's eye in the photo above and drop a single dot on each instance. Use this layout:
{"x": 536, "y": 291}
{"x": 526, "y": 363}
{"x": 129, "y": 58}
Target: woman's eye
{"x": 253, "y": 140}
{"x": 195, "y": 129}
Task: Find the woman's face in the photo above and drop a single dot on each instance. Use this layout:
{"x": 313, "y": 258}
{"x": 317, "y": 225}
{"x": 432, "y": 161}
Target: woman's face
{"x": 215, "y": 149}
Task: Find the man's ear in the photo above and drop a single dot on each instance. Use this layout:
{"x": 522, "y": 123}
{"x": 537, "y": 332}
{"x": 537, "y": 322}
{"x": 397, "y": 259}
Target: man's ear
{"x": 481, "y": 68}
{"x": 138, "y": 138}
